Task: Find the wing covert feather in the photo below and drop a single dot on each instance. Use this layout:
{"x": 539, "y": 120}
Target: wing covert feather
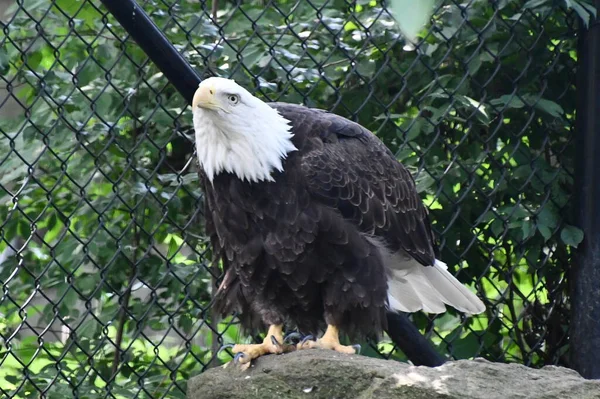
{"x": 353, "y": 171}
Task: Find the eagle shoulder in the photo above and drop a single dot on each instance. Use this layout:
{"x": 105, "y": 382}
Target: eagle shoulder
{"x": 353, "y": 171}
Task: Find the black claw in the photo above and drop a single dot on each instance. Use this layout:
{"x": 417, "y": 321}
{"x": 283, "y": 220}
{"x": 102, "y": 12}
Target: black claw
{"x": 274, "y": 341}
{"x": 308, "y": 337}
{"x": 357, "y": 348}
{"x": 228, "y": 346}
{"x": 293, "y": 335}
{"x": 238, "y": 356}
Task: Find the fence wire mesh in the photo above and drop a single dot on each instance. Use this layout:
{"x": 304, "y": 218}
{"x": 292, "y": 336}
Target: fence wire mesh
{"x": 105, "y": 273}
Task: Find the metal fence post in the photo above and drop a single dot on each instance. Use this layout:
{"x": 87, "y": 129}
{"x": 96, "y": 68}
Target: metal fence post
{"x": 585, "y": 272}
{"x": 154, "y": 43}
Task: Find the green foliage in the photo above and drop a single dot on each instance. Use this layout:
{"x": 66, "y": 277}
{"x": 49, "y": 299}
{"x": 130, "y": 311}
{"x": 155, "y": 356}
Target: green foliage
{"x": 101, "y": 204}
{"x": 411, "y": 16}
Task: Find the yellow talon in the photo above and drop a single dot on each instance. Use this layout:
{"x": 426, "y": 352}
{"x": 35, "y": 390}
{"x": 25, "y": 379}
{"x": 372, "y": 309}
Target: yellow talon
{"x": 330, "y": 340}
{"x": 273, "y": 343}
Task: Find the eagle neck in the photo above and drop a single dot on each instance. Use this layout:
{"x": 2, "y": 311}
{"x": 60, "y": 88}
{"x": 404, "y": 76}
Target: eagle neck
{"x": 250, "y": 149}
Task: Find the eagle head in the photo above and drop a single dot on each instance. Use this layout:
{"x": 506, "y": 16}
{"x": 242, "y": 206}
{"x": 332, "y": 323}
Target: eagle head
{"x": 237, "y": 132}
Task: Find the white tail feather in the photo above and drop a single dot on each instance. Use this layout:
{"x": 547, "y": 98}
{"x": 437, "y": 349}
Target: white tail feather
{"x": 413, "y": 287}
{"x": 414, "y": 292}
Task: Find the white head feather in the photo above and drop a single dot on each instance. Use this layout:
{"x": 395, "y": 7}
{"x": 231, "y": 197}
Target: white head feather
{"x": 237, "y": 132}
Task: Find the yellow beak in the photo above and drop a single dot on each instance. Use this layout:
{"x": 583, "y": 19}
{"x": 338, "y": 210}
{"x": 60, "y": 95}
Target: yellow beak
{"x": 205, "y": 97}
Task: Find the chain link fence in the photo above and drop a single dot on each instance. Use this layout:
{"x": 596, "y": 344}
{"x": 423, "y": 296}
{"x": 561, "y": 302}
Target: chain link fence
{"x": 105, "y": 274}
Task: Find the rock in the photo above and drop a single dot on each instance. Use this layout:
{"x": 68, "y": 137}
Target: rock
{"x": 312, "y": 374}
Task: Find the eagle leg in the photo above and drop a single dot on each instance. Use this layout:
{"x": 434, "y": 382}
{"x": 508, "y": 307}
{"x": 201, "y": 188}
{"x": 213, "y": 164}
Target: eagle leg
{"x": 329, "y": 340}
{"x": 273, "y": 343}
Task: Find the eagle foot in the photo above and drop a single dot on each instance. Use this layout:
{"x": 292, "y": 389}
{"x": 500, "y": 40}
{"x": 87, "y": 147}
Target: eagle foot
{"x": 330, "y": 340}
{"x": 336, "y": 346}
{"x": 272, "y": 344}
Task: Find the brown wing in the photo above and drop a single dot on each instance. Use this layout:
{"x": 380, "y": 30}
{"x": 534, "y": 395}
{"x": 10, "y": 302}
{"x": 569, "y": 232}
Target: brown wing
{"x": 353, "y": 171}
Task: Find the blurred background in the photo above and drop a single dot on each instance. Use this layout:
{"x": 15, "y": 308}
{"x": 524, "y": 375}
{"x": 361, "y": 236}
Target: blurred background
{"x": 106, "y": 277}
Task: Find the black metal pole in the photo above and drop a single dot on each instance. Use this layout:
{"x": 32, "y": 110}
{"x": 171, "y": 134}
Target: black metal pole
{"x": 154, "y": 43}
{"x": 185, "y": 79}
{"x": 585, "y": 274}
{"x": 410, "y": 340}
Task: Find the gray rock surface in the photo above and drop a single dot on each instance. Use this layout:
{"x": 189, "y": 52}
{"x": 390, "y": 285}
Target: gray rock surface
{"x": 312, "y": 374}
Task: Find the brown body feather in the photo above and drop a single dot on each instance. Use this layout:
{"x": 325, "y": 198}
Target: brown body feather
{"x": 298, "y": 250}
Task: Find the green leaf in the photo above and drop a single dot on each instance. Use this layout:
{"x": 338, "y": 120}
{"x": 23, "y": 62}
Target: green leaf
{"x": 34, "y": 59}
{"x": 545, "y": 231}
{"x": 186, "y": 323}
{"x": 583, "y": 10}
{"x": 424, "y": 181}
{"x": 411, "y": 15}
{"x": 548, "y": 216}
{"x": 468, "y": 346}
{"x": 475, "y": 105}
{"x": 535, "y": 3}
{"x": 550, "y": 107}
{"x": 413, "y": 128}
{"x": 89, "y": 328}
{"x": 87, "y": 282}
{"x": 527, "y": 228}
{"x": 509, "y": 101}
{"x": 79, "y": 9}
{"x": 571, "y": 235}
{"x": 174, "y": 246}
{"x": 103, "y": 105}
{"x": 4, "y": 61}
{"x": 252, "y": 55}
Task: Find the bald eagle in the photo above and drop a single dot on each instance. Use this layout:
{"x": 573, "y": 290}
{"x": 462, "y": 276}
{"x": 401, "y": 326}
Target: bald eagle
{"x": 317, "y": 224}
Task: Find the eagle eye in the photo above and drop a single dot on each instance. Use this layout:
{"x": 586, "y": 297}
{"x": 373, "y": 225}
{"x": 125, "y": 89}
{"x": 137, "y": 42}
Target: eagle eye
{"x": 233, "y": 99}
